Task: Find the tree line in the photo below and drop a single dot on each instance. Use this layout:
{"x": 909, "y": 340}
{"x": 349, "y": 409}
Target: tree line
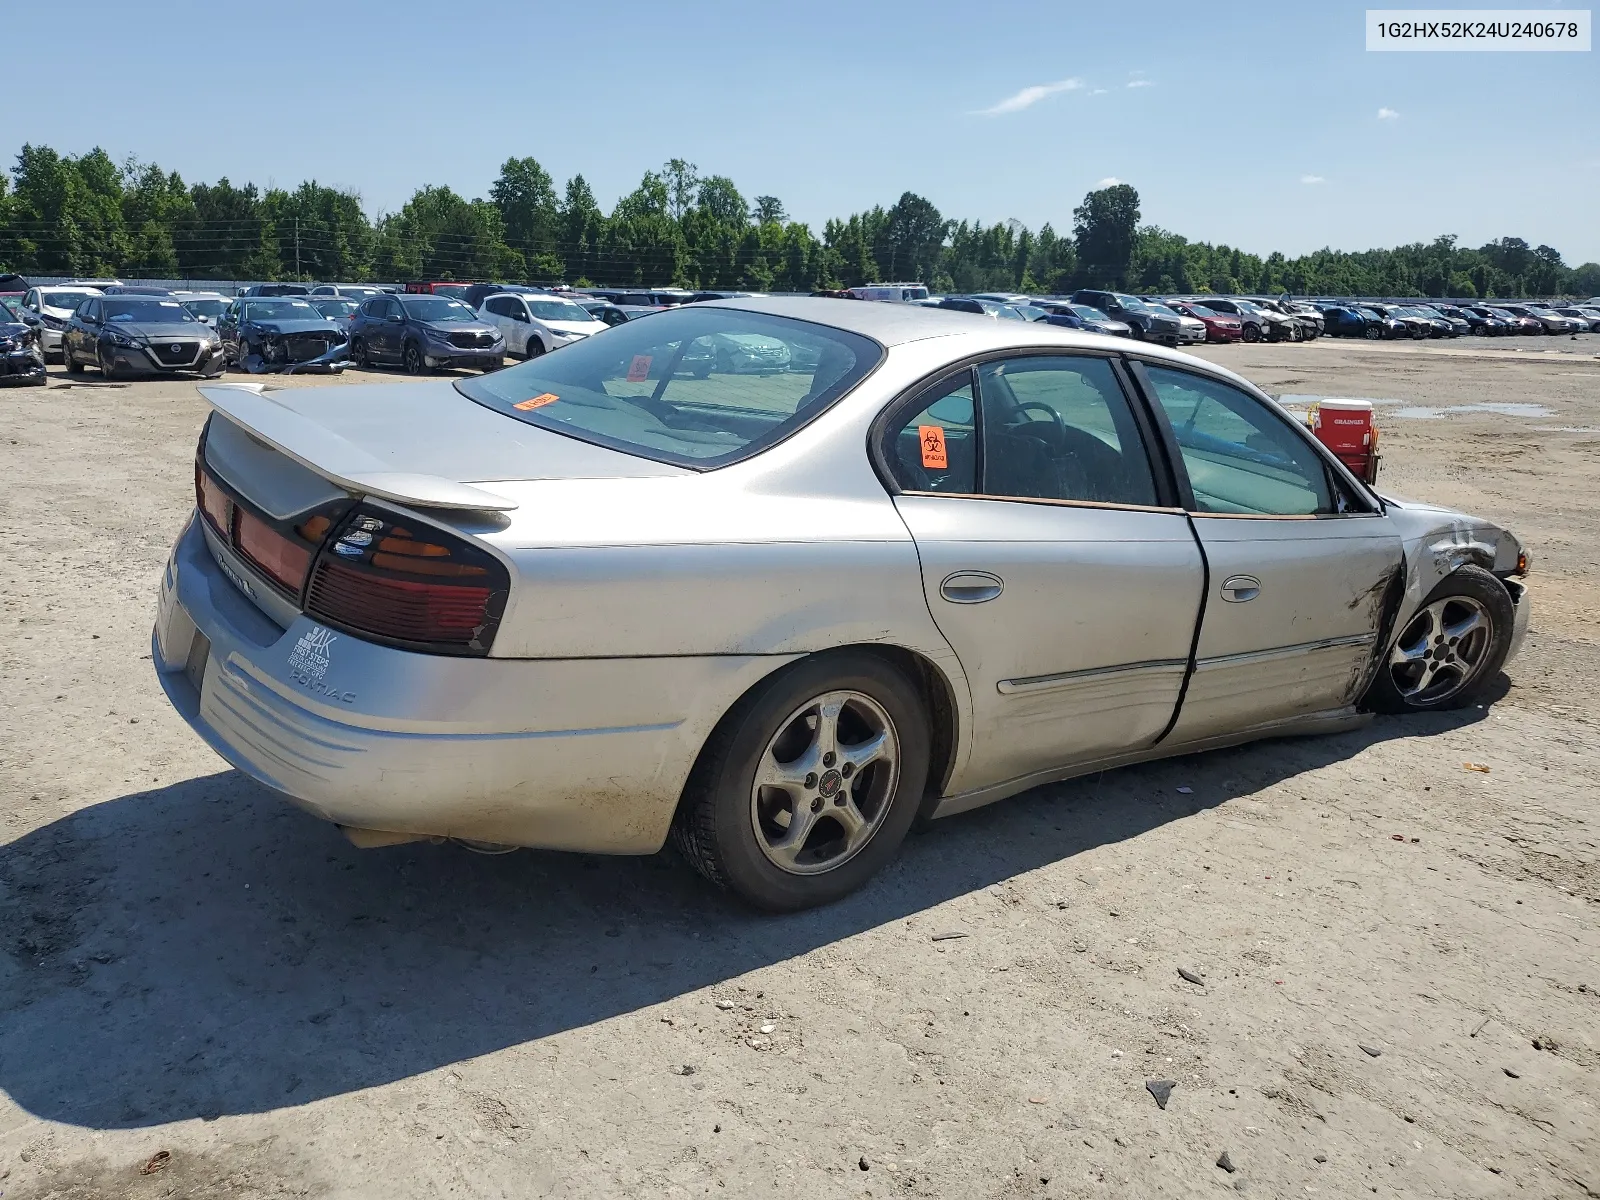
{"x": 88, "y": 216}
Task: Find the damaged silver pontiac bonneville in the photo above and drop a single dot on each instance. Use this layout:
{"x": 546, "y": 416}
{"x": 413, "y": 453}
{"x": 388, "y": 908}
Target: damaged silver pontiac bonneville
{"x": 610, "y": 596}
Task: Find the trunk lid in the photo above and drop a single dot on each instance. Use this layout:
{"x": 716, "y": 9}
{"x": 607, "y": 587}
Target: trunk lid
{"x": 421, "y": 444}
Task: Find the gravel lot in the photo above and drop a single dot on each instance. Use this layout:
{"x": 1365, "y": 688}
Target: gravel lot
{"x": 192, "y": 967}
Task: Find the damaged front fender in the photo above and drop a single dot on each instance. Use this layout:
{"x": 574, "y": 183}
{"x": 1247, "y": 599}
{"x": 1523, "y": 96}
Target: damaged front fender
{"x": 1437, "y": 541}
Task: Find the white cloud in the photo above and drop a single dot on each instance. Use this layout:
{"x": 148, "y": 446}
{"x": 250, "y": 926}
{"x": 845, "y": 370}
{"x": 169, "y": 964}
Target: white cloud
{"x": 1029, "y": 96}
{"x": 1098, "y": 92}
{"x": 1108, "y": 181}
{"x": 1312, "y": 179}
{"x": 1141, "y": 83}
{"x": 1388, "y": 114}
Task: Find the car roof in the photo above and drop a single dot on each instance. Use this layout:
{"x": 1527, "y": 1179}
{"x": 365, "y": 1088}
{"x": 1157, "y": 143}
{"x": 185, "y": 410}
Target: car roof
{"x": 897, "y": 324}
{"x": 200, "y": 296}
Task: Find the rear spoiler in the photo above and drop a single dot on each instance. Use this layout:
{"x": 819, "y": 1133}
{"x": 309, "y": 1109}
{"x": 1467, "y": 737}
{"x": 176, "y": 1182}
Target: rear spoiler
{"x": 252, "y": 408}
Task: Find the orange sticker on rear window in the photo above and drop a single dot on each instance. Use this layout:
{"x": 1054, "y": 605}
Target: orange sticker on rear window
{"x": 536, "y": 402}
{"x": 639, "y": 368}
{"x": 933, "y": 451}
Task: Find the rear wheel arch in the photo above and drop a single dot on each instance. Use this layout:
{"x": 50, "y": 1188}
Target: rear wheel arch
{"x": 935, "y": 689}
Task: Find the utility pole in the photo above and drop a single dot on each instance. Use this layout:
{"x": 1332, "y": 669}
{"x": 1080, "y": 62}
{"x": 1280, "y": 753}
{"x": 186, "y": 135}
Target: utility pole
{"x": 297, "y": 247}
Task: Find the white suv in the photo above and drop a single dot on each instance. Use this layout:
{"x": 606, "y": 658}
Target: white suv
{"x": 54, "y": 305}
{"x": 535, "y": 324}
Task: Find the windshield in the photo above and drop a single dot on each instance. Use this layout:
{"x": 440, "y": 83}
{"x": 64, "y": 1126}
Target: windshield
{"x": 698, "y": 386}
{"x": 435, "y": 309}
{"x": 1371, "y": 312}
{"x": 10, "y": 311}
{"x": 1131, "y": 302}
{"x": 1087, "y": 313}
{"x": 1200, "y": 310}
{"x": 141, "y": 311}
{"x": 336, "y": 308}
{"x": 280, "y": 310}
{"x": 1031, "y": 311}
{"x": 557, "y": 310}
{"x": 206, "y": 308}
{"x": 67, "y": 300}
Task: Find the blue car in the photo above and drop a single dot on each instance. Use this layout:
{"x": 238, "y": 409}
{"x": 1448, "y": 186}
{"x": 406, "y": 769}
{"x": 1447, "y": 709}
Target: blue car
{"x": 1081, "y": 316}
{"x": 1342, "y": 320}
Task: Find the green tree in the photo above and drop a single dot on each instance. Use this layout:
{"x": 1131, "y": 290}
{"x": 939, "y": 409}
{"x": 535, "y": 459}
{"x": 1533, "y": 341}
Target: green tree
{"x": 768, "y": 209}
{"x": 683, "y": 183}
{"x": 525, "y": 196}
{"x": 1105, "y": 225}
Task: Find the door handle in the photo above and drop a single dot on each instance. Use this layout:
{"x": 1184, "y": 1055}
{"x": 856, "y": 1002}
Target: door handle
{"x": 1236, "y": 589}
{"x": 971, "y": 587}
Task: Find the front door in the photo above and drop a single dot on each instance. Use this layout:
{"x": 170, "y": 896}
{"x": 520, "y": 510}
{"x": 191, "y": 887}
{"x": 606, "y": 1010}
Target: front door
{"x": 1053, "y": 560}
{"x": 1300, "y": 563}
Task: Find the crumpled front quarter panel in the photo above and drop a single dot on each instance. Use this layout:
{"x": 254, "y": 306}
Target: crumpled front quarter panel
{"x": 1438, "y": 540}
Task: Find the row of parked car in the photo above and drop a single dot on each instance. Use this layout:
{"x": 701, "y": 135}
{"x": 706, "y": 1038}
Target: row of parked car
{"x": 129, "y": 330}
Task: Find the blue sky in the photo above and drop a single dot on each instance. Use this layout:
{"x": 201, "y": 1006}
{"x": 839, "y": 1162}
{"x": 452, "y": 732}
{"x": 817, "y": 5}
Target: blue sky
{"x": 1257, "y": 125}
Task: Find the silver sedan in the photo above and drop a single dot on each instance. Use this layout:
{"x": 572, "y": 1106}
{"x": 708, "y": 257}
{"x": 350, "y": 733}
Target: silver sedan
{"x": 610, "y": 596}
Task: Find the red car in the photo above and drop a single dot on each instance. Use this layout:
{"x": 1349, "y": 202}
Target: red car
{"x": 453, "y": 290}
{"x": 1220, "y": 327}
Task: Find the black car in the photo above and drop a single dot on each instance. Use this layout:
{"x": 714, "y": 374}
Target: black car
{"x": 423, "y": 332}
{"x": 475, "y": 295}
{"x": 1146, "y": 322}
{"x": 601, "y": 310}
{"x": 1344, "y": 321}
{"x": 282, "y": 333}
{"x": 139, "y": 335}
{"x": 21, "y": 352}
{"x": 1481, "y": 325}
{"x": 276, "y": 289}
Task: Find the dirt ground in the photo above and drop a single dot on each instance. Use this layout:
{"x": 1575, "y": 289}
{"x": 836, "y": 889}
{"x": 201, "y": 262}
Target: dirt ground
{"x": 192, "y": 968}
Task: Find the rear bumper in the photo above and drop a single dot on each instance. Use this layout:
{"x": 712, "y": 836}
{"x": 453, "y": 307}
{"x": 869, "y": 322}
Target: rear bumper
{"x": 571, "y": 754}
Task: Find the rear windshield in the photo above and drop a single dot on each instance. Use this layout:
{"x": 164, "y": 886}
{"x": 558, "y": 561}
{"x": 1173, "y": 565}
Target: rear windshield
{"x": 702, "y": 387}
{"x": 206, "y": 308}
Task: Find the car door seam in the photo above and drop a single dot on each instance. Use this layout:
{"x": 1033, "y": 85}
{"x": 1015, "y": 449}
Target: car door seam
{"x": 1194, "y": 644}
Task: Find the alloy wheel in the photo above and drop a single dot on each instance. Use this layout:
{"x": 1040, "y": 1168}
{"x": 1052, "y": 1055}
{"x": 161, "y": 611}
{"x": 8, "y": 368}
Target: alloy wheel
{"x": 1441, "y": 650}
{"x": 825, "y": 782}
{"x": 412, "y": 360}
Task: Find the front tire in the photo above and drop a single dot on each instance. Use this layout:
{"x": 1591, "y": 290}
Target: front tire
{"x": 1252, "y": 333}
{"x": 1451, "y": 649}
{"x": 411, "y": 359}
{"x": 534, "y": 348}
{"x": 809, "y": 784}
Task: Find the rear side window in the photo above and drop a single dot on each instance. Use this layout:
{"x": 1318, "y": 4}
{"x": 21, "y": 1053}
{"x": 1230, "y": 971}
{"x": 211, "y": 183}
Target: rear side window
{"x": 1241, "y": 457}
{"x": 693, "y": 385}
{"x": 935, "y": 449}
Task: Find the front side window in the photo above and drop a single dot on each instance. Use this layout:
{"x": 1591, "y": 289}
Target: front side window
{"x": 1058, "y": 427}
{"x": 694, "y": 385}
{"x": 1241, "y": 457}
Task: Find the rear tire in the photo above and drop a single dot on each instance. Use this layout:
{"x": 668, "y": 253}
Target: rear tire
{"x": 358, "y": 354}
{"x": 1450, "y": 650}
{"x": 735, "y": 832}
{"x": 74, "y": 367}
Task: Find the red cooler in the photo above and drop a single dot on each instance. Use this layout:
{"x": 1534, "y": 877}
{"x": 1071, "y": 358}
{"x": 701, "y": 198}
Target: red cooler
{"x": 1346, "y": 428}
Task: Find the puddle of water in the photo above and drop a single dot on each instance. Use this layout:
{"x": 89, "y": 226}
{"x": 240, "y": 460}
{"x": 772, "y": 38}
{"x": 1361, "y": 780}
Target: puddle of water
{"x": 1417, "y": 412}
{"x": 1421, "y": 412}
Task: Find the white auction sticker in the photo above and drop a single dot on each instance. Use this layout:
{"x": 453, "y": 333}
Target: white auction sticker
{"x": 1444, "y": 29}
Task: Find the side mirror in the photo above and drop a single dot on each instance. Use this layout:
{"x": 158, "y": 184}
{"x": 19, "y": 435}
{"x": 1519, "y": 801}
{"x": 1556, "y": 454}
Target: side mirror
{"x": 395, "y": 319}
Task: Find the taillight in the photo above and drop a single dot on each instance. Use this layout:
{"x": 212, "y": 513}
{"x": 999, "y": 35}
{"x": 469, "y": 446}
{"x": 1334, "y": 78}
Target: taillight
{"x": 280, "y": 558}
{"x": 213, "y": 502}
{"x": 397, "y": 580}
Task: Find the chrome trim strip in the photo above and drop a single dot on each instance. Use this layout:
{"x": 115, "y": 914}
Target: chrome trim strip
{"x": 1354, "y": 639}
{"x": 1042, "y": 683}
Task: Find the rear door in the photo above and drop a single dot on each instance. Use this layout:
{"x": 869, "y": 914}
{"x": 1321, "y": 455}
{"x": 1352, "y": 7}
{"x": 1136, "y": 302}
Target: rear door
{"x": 1055, "y": 560}
{"x": 1300, "y": 563}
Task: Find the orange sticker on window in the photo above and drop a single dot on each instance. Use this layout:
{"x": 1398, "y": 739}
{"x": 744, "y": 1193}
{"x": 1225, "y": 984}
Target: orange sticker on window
{"x": 933, "y": 451}
{"x": 639, "y": 368}
{"x": 536, "y": 402}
